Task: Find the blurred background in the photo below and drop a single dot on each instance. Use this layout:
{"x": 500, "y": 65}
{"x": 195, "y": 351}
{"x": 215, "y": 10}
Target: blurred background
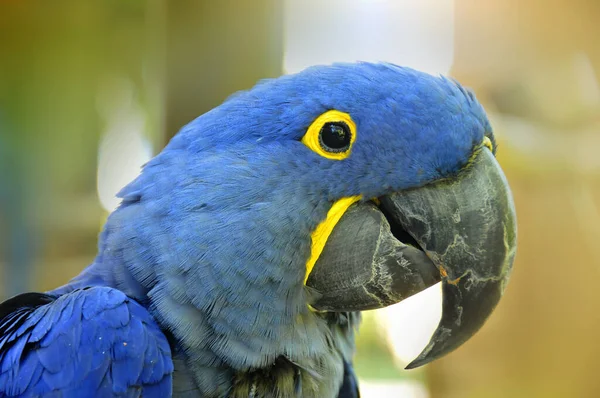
{"x": 91, "y": 90}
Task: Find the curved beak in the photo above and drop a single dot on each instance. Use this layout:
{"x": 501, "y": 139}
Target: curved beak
{"x": 461, "y": 231}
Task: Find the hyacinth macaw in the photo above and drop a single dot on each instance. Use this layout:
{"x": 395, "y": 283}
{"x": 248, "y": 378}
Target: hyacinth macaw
{"x": 240, "y": 258}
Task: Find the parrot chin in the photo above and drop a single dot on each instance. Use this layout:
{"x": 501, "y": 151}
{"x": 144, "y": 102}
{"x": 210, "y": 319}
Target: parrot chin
{"x": 460, "y": 231}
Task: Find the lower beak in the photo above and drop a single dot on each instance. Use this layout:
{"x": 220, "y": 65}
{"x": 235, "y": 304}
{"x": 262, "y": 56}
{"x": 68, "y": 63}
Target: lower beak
{"x": 461, "y": 231}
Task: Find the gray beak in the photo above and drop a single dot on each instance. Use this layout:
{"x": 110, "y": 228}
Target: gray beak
{"x": 461, "y": 231}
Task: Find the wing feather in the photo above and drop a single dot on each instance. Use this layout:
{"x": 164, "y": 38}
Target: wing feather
{"x": 90, "y": 342}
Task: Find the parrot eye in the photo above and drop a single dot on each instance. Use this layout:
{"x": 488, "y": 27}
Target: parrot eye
{"x": 331, "y": 135}
{"x": 335, "y": 137}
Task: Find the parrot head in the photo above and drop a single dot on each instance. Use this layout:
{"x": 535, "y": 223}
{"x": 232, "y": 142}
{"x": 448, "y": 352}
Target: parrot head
{"x": 342, "y": 188}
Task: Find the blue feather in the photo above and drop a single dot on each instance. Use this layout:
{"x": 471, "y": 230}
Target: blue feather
{"x": 89, "y": 342}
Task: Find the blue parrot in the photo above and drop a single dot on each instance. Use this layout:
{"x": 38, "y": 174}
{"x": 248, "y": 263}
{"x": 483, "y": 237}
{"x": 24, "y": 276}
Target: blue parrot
{"x": 239, "y": 260}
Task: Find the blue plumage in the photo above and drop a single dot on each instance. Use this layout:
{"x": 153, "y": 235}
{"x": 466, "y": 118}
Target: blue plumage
{"x": 92, "y": 342}
{"x": 213, "y": 237}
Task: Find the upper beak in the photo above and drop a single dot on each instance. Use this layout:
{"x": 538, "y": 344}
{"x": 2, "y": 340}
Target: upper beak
{"x": 461, "y": 231}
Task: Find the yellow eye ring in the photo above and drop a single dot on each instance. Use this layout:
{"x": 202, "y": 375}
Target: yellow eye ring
{"x": 331, "y": 135}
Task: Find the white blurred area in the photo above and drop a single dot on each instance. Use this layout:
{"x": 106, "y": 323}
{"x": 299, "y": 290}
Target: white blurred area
{"x": 413, "y": 33}
{"x": 391, "y": 389}
{"x": 123, "y": 147}
{"x": 411, "y": 323}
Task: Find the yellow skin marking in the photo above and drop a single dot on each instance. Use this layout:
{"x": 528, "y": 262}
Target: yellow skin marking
{"x": 324, "y": 229}
{"x": 311, "y": 138}
{"x": 488, "y": 143}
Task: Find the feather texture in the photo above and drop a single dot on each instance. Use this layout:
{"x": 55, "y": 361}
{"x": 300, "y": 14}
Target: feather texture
{"x": 91, "y": 342}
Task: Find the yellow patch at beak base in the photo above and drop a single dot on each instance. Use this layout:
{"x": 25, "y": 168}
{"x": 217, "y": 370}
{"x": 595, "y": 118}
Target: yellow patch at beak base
{"x": 320, "y": 235}
{"x": 488, "y": 144}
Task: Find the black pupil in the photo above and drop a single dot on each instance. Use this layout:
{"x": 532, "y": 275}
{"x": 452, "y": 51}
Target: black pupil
{"x": 335, "y": 137}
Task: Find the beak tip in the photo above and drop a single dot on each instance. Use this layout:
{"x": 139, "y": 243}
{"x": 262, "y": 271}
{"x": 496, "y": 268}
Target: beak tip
{"x": 428, "y": 354}
{"x": 414, "y": 364}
